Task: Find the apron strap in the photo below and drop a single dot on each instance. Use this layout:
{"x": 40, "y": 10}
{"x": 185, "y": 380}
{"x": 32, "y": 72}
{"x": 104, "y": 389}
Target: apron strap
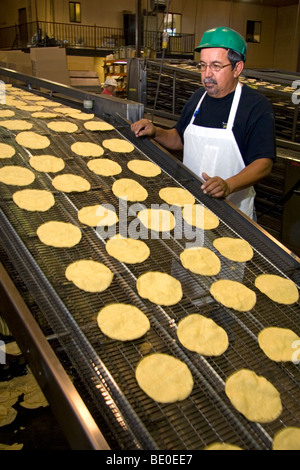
{"x": 197, "y": 108}
{"x": 234, "y": 106}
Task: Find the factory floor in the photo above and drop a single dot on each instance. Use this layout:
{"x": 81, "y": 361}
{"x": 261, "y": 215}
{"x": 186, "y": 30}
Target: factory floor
{"x": 32, "y": 428}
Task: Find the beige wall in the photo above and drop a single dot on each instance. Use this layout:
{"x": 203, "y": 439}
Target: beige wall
{"x": 280, "y": 26}
{"x": 87, "y": 63}
{"x": 287, "y": 41}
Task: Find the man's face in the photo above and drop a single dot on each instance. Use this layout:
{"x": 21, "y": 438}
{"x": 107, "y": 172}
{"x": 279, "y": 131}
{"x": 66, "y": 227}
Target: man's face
{"x": 219, "y": 84}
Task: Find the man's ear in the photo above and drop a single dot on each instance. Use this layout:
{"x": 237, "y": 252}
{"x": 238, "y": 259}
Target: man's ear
{"x": 239, "y": 66}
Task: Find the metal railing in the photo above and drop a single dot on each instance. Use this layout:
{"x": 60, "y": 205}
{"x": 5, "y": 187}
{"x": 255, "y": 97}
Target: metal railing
{"x": 73, "y": 35}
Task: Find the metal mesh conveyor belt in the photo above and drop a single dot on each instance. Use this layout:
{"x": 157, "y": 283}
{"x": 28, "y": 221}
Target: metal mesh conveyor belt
{"x": 107, "y": 367}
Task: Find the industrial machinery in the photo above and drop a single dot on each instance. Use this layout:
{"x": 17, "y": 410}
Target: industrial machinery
{"x": 88, "y": 378}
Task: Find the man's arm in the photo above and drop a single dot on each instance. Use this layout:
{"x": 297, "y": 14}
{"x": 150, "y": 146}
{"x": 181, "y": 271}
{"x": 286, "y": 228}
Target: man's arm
{"x": 250, "y": 175}
{"x": 168, "y": 138}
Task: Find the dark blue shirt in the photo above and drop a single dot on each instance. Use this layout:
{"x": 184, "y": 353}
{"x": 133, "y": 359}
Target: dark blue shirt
{"x": 253, "y": 128}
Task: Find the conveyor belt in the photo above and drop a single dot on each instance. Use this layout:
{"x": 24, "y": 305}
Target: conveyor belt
{"x": 107, "y": 367}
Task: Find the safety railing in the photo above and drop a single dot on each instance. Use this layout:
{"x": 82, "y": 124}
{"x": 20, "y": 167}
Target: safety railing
{"x": 73, "y": 35}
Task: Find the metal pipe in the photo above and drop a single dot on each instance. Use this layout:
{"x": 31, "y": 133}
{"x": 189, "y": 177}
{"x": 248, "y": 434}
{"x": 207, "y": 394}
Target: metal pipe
{"x": 138, "y": 28}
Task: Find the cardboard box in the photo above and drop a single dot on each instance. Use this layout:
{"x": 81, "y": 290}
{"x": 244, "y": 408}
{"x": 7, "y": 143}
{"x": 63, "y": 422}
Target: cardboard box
{"x": 16, "y": 60}
{"x": 50, "y": 63}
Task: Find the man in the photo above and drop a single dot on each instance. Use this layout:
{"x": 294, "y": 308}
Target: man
{"x": 110, "y": 86}
{"x": 226, "y": 129}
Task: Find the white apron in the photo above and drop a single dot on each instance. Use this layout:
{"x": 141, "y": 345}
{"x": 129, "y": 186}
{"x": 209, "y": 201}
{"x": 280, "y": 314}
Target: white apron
{"x": 216, "y": 152}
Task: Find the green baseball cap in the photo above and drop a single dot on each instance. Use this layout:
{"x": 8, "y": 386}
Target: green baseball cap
{"x": 223, "y": 37}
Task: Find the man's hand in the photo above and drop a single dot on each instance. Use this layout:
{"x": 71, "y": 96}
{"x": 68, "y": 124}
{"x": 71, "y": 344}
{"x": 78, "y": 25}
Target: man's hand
{"x": 143, "y": 128}
{"x": 250, "y": 175}
{"x": 168, "y": 138}
{"x": 215, "y": 186}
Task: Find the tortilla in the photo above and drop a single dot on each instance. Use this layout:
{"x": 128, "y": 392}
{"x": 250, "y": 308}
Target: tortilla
{"x": 47, "y": 163}
{"x": 176, "y": 196}
{"x": 98, "y": 126}
{"x": 200, "y": 260}
{"x": 87, "y": 149}
{"x": 32, "y": 140}
{"x": 233, "y": 295}
{"x": 253, "y": 396}
{"x": 164, "y": 378}
{"x": 14, "y": 446}
{"x": 44, "y": 115}
{"x": 59, "y": 234}
{"x": 34, "y": 399}
{"x": 127, "y": 250}
{"x": 277, "y": 343}
{"x": 130, "y": 190}
{"x": 159, "y": 220}
{"x": 63, "y": 126}
{"x": 16, "y": 176}
{"x": 7, "y": 415}
{"x": 118, "y": 145}
{"x": 234, "y": 249}
{"x": 6, "y": 113}
{"x": 16, "y": 125}
{"x": 66, "y": 109}
{"x": 160, "y": 288}
{"x": 222, "y": 446}
{"x": 89, "y": 275}
{"x": 97, "y": 215}
{"x": 12, "y": 101}
{"x": 123, "y": 322}
{"x": 144, "y": 168}
{"x": 202, "y": 335}
{"x": 6, "y": 151}
{"x": 200, "y": 217}
{"x": 71, "y": 183}
{"x": 287, "y": 439}
{"x": 13, "y": 349}
{"x": 34, "y": 199}
{"x": 104, "y": 167}
{"x": 32, "y": 97}
{"x": 52, "y": 104}
{"x": 82, "y": 116}
{"x": 277, "y": 288}
{"x": 30, "y": 108}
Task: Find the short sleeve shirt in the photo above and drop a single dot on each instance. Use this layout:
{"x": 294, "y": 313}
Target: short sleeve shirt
{"x": 253, "y": 128}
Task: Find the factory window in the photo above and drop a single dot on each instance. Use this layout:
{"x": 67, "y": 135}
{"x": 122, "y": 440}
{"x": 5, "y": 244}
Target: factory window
{"x": 253, "y": 31}
{"x": 172, "y": 23}
{"x": 75, "y": 12}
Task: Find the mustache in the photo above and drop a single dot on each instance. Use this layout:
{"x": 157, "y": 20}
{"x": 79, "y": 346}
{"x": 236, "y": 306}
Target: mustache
{"x": 210, "y": 81}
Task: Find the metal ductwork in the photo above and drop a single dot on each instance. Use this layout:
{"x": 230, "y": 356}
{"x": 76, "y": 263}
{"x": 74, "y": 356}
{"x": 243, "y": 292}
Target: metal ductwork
{"x": 158, "y": 5}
